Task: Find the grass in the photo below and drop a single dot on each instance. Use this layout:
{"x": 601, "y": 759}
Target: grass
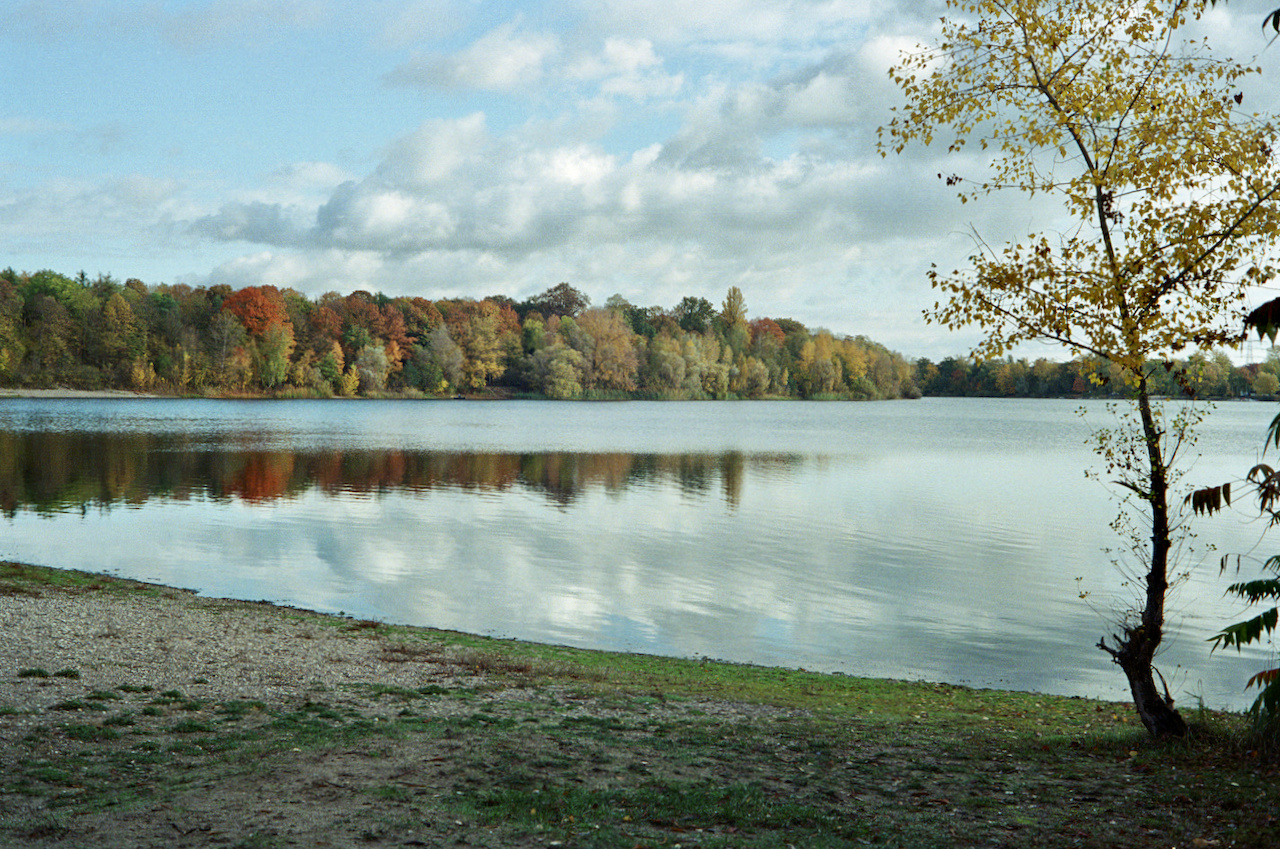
{"x": 539, "y": 746}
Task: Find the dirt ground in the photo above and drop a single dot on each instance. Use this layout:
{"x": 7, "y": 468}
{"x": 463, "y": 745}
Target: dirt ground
{"x": 143, "y": 716}
{"x": 158, "y": 718}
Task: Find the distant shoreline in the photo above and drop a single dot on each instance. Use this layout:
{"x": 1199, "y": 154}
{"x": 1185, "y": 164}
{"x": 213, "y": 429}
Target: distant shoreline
{"x": 73, "y": 393}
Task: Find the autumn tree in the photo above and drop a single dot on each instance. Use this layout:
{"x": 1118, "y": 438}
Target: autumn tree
{"x": 121, "y": 337}
{"x": 11, "y": 347}
{"x": 611, "y": 360}
{"x": 476, "y": 327}
{"x": 175, "y": 338}
{"x": 225, "y": 335}
{"x": 372, "y": 365}
{"x": 326, "y": 329}
{"x": 1167, "y": 195}
{"x": 445, "y": 355}
{"x": 257, "y": 307}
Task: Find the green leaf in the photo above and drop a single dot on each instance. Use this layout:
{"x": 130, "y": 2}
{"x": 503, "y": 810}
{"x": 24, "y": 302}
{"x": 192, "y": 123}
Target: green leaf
{"x": 1256, "y": 591}
{"x": 1273, "y": 432}
{"x": 1249, "y": 631}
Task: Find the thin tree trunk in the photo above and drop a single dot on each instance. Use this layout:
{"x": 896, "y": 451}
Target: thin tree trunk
{"x": 1135, "y": 651}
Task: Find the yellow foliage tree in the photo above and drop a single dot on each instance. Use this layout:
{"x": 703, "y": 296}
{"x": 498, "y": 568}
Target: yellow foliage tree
{"x": 1169, "y": 192}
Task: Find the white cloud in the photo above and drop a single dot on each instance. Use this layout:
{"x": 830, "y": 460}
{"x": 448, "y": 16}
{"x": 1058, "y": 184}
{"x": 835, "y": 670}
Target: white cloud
{"x": 253, "y": 222}
{"x": 381, "y": 219}
{"x": 770, "y": 182}
{"x": 436, "y": 151}
{"x": 300, "y": 182}
{"x": 504, "y": 59}
{"x": 90, "y": 213}
{"x": 315, "y": 272}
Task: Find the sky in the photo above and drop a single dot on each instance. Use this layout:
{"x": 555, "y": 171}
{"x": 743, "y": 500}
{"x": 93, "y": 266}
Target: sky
{"x": 463, "y": 148}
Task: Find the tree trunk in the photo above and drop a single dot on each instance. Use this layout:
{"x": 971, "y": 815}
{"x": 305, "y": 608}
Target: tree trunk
{"x": 1136, "y": 650}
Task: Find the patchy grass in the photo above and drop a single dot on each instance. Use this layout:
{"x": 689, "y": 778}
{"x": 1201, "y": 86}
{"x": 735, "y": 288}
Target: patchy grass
{"x": 510, "y": 744}
{"x": 22, "y": 579}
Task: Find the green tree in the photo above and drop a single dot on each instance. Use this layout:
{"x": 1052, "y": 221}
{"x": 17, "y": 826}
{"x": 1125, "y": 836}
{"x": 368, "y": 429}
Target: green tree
{"x": 330, "y": 366}
{"x": 1266, "y": 708}
{"x": 54, "y": 338}
{"x": 1266, "y": 384}
{"x": 1171, "y": 195}
{"x": 1265, "y": 481}
{"x": 560, "y": 369}
{"x": 665, "y": 370}
{"x": 754, "y": 378}
{"x": 422, "y": 372}
{"x": 694, "y": 315}
{"x": 273, "y": 351}
{"x": 561, "y": 299}
{"x": 733, "y": 319}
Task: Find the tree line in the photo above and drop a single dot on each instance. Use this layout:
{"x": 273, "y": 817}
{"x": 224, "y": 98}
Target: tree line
{"x": 176, "y": 339}
{"x": 1201, "y": 375}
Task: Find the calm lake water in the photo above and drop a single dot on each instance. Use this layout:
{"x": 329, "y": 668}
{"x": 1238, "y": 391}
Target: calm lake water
{"x": 941, "y": 539}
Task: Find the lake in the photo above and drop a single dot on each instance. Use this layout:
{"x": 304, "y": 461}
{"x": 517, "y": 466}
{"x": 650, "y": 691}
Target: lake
{"x": 942, "y": 539}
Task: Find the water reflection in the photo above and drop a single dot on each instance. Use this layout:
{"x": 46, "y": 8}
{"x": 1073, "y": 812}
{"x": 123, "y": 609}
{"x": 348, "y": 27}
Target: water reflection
{"x": 938, "y": 540}
{"x": 64, "y": 471}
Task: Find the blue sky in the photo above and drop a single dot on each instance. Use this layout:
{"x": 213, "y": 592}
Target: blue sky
{"x": 447, "y": 148}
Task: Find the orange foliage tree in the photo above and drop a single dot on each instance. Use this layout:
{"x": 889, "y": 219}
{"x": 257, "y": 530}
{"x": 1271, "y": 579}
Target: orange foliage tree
{"x": 258, "y": 307}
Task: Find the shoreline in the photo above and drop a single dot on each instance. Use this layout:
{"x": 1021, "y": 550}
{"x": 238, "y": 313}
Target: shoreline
{"x": 73, "y": 393}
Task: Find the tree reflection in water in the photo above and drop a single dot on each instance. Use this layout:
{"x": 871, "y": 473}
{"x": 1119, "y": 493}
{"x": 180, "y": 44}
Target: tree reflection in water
{"x": 58, "y": 472}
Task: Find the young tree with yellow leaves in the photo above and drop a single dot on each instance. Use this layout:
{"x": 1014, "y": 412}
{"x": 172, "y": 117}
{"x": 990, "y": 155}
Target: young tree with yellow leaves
{"x": 1170, "y": 197}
